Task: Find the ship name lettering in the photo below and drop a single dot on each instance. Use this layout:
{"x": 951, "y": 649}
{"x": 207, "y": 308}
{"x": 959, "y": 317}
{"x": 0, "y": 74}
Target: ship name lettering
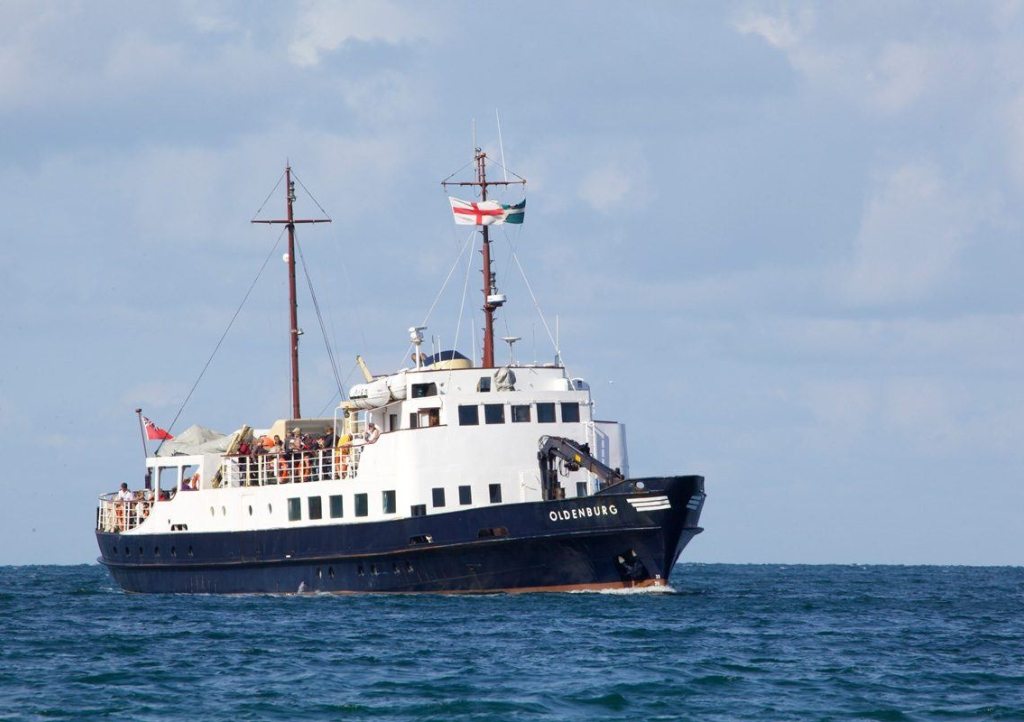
{"x": 586, "y": 512}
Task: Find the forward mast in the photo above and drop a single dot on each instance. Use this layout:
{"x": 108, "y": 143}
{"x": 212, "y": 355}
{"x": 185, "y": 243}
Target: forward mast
{"x": 492, "y": 299}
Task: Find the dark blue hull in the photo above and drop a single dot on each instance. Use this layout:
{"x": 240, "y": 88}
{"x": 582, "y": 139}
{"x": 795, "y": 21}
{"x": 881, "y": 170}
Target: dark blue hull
{"x": 602, "y": 541}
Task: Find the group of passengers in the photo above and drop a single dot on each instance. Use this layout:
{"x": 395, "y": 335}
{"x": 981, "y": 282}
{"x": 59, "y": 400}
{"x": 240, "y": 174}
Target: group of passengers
{"x": 298, "y": 457}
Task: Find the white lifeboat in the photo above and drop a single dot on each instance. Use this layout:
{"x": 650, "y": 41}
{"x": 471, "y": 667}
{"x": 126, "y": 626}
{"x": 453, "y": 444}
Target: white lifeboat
{"x": 379, "y": 392}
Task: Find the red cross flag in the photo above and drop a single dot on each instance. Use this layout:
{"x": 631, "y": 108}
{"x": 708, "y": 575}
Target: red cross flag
{"x": 154, "y": 432}
{"x": 485, "y": 213}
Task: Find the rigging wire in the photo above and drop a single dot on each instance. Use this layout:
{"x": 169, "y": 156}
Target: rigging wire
{"x": 296, "y": 177}
{"x": 462, "y": 305}
{"x": 443, "y": 286}
{"x": 223, "y": 335}
{"x": 536, "y": 304}
{"x": 320, "y": 319}
{"x": 260, "y": 209}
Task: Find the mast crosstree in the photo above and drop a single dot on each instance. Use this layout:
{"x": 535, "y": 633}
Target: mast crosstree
{"x": 293, "y": 309}
{"x": 492, "y": 301}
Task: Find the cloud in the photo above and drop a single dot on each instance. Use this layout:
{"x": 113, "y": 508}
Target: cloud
{"x": 912, "y": 232}
{"x": 323, "y": 27}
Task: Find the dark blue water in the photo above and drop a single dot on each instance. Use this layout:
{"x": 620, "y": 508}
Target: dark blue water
{"x": 733, "y": 643}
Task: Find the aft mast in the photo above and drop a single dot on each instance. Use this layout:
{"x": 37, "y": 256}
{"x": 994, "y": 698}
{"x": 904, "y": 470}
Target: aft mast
{"x": 492, "y": 300}
{"x": 293, "y": 309}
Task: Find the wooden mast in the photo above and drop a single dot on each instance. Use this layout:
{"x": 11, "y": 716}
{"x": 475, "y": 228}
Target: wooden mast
{"x": 490, "y": 287}
{"x": 293, "y": 307}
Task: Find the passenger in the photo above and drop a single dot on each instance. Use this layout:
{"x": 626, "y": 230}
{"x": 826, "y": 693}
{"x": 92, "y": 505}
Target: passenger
{"x": 372, "y": 433}
{"x": 124, "y": 499}
{"x": 244, "y": 453}
{"x": 341, "y": 454}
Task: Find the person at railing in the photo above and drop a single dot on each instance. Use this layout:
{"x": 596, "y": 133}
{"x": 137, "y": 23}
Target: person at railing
{"x": 372, "y": 433}
{"x": 342, "y": 451}
{"x": 244, "y": 459}
{"x": 124, "y": 498}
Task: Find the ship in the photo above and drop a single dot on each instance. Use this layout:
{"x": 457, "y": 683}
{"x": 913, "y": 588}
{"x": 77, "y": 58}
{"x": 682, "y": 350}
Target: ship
{"x": 449, "y": 475}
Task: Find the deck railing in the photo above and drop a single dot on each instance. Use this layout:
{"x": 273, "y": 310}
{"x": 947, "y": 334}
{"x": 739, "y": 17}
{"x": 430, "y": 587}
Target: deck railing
{"x": 287, "y": 468}
{"x": 117, "y": 515}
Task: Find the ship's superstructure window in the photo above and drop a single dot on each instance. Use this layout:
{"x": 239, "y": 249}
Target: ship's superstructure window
{"x": 581, "y": 488}
{"x": 337, "y": 509}
{"x": 520, "y": 413}
{"x": 438, "y": 495}
{"x": 545, "y": 413}
{"x": 494, "y": 413}
{"x": 316, "y": 508}
{"x": 465, "y": 495}
{"x": 570, "y": 412}
{"x": 362, "y": 505}
{"x": 294, "y": 509}
{"x": 419, "y": 391}
{"x": 469, "y": 415}
{"x": 484, "y": 384}
{"x": 418, "y": 510}
{"x": 495, "y": 490}
{"x": 389, "y": 502}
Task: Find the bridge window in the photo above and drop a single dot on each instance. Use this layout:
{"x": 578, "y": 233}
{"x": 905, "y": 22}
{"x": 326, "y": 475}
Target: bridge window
{"x": 337, "y": 510}
{"x": 469, "y": 415}
{"x": 495, "y": 490}
{"x": 494, "y": 413}
{"x": 484, "y": 384}
{"x": 389, "y": 502}
{"x": 418, "y": 510}
{"x": 294, "y": 509}
{"x": 362, "y": 506}
{"x": 581, "y": 488}
{"x": 438, "y": 495}
{"x": 570, "y": 412}
{"x": 316, "y": 509}
{"x": 545, "y": 413}
{"x": 465, "y": 495}
{"x": 420, "y": 391}
{"x": 520, "y": 413}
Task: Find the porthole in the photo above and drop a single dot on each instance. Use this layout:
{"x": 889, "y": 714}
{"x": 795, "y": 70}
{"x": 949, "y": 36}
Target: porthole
{"x": 250, "y": 510}
{"x": 140, "y": 551}
{"x": 270, "y": 508}
{"x": 395, "y": 569}
{"x": 408, "y": 567}
{"x": 113, "y": 551}
{"x": 174, "y": 552}
{"x": 359, "y": 571}
{"x": 190, "y": 552}
{"x": 212, "y": 512}
{"x": 223, "y": 511}
{"x": 127, "y": 552}
{"x": 330, "y": 572}
{"x": 319, "y": 573}
{"x": 373, "y": 570}
{"x": 156, "y": 551}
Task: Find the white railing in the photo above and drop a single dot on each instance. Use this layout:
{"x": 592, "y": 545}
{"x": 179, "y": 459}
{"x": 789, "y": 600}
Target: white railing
{"x": 118, "y": 515}
{"x": 288, "y": 468}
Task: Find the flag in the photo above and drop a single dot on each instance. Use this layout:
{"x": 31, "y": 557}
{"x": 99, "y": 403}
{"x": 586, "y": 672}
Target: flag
{"x": 515, "y": 213}
{"x": 154, "y": 432}
{"x": 485, "y": 213}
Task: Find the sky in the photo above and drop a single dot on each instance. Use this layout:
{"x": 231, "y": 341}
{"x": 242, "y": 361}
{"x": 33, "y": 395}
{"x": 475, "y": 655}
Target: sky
{"x": 782, "y": 241}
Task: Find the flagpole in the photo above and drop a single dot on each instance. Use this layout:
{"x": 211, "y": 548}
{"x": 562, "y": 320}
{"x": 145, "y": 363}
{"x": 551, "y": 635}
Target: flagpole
{"x": 142, "y": 433}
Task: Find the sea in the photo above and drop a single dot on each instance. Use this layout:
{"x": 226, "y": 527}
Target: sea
{"x": 728, "y": 642}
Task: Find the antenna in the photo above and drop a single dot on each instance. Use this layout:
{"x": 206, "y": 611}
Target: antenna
{"x": 416, "y": 336}
{"x": 511, "y": 340}
{"x": 501, "y": 145}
